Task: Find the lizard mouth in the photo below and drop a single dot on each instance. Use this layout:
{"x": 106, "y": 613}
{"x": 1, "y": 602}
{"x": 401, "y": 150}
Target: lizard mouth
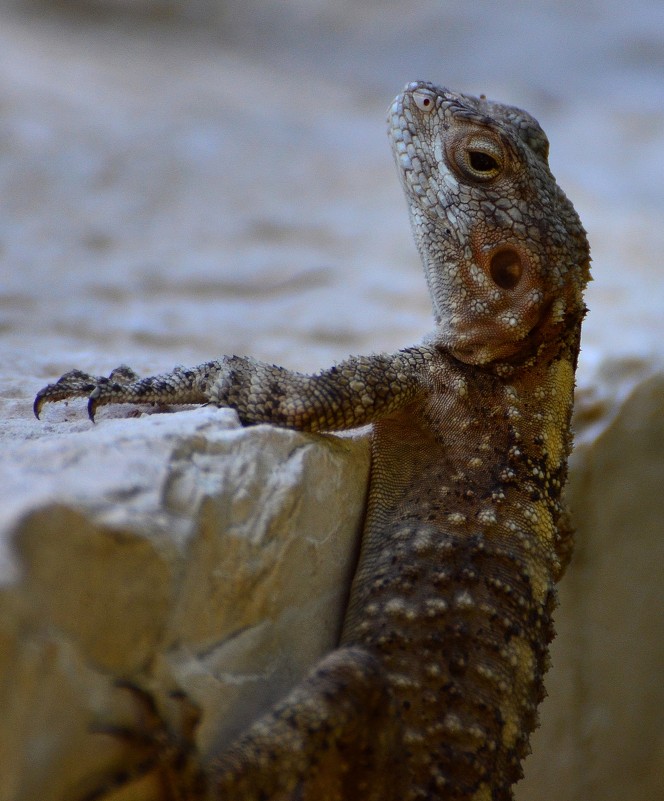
{"x": 483, "y": 353}
{"x": 482, "y": 350}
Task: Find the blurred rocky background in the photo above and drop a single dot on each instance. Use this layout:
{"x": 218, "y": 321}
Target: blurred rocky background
{"x": 180, "y": 180}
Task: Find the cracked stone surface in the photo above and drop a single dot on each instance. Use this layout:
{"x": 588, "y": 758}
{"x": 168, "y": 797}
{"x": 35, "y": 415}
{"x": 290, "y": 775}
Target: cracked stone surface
{"x": 185, "y": 550}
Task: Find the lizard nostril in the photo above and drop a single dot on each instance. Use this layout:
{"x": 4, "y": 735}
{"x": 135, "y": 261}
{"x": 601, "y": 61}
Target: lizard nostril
{"x": 506, "y": 268}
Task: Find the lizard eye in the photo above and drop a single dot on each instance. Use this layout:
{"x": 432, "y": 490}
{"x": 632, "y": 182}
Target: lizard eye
{"x": 423, "y": 100}
{"x": 479, "y": 159}
{"x": 482, "y": 162}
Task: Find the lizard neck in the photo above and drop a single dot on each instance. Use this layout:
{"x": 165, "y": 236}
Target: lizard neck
{"x": 484, "y": 443}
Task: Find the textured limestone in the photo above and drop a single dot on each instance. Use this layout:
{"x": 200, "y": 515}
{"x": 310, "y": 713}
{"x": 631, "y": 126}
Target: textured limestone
{"x": 601, "y": 733}
{"x": 210, "y": 558}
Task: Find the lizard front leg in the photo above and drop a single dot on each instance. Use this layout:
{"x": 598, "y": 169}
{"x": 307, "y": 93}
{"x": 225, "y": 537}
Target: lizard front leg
{"x": 353, "y": 393}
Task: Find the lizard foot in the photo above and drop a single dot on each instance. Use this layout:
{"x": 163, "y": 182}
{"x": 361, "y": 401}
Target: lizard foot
{"x": 167, "y": 768}
{"x": 77, "y": 384}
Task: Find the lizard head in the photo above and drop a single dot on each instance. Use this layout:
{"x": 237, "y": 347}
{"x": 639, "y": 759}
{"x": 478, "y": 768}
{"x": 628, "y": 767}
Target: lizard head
{"x": 504, "y": 252}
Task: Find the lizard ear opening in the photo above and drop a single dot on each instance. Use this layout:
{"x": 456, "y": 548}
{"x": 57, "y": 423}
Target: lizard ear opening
{"x": 506, "y": 268}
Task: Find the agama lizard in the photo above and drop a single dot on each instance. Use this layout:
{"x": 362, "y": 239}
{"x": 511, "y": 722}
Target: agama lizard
{"x": 433, "y": 690}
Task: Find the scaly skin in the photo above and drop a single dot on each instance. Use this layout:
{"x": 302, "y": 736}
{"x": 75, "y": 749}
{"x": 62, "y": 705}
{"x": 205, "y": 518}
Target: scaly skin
{"x": 433, "y": 691}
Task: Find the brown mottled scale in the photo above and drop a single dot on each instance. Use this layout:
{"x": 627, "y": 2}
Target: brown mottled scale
{"x": 433, "y": 690}
{"x": 455, "y": 588}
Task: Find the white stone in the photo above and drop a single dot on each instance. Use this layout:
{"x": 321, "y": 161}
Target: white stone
{"x": 179, "y": 550}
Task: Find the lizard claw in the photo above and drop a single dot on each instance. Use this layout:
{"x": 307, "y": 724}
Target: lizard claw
{"x": 167, "y": 758}
{"x": 71, "y": 385}
{"x": 93, "y": 402}
{"x": 77, "y": 384}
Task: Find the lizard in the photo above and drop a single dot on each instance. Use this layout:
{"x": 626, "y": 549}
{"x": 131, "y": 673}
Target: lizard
{"x": 433, "y": 689}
